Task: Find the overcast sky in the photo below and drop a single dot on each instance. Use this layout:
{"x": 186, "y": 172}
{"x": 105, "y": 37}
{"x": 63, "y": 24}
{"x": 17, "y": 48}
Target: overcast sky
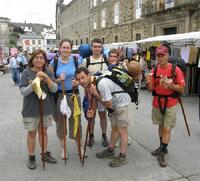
{"x": 31, "y": 11}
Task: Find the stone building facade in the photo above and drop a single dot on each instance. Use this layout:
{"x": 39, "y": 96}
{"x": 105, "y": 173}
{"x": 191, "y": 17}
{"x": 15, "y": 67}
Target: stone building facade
{"x": 127, "y": 20}
{"x": 73, "y": 21}
{"x": 4, "y": 32}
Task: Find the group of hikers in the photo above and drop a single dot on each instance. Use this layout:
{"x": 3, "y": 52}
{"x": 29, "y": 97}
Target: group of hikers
{"x": 63, "y": 76}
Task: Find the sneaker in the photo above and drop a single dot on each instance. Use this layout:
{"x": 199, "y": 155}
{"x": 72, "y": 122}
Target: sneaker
{"x": 31, "y": 162}
{"x": 62, "y": 156}
{"x": 118, "y": 161}
{"x": 90, "y": 142}
{"x": 157, "y": 152}
{"x": 105, "y": 154}
{"x": 48, "y": 158}
{"x": 161, "y": 159}
{"x": 104, "y": 142}
{"x": 82, "y": 151}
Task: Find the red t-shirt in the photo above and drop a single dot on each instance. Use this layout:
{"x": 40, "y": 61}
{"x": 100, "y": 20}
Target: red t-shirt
{"x": 167, "y": 71}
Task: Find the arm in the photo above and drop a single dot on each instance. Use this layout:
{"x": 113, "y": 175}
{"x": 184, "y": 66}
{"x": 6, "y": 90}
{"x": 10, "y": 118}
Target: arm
{"x": 26, "y": 91}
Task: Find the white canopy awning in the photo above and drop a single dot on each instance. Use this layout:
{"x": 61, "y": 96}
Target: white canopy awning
{"x": 184, "y": 37}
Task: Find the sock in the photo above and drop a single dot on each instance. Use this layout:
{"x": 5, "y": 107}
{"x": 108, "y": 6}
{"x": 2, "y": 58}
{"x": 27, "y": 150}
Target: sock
{"x": 160, "y": 141}
{"x": 164, "y": 147}
{"x": 122, "y": 155}
{"x": 103, "y": 135}
{"x": 110, "y": 149}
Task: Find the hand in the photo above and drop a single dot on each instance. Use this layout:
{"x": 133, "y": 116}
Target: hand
{"x": 148, "y": 79}
{"x": 42, "y": 75}
{"x": 93, "y": 90}
{"x": 62, "y": 77}
{"x": 90, "y": 113}
{"x": 74, "y": 83}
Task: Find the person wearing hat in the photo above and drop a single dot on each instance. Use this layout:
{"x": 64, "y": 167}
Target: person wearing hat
{"x": 117, "y": 106}
{"x": 164, "y": 104}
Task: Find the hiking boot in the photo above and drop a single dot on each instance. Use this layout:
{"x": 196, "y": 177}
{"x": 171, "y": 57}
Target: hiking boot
{"x": 48, "y": 158}
{"x": 119, "y": 161}
{"x": 104, "y": 141}
{"x": 31, "y": 162}
{"x": 90, "y": 142}
{"x": 105, "y": 154}
{"x": 157, "y": 152}
{"x": 161, "y": 159}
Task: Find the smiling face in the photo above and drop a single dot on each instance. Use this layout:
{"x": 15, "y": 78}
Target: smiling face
{"x": 39, "y": 61}
{"x": 65, "y": 49}
{"x": 112, "y": 58}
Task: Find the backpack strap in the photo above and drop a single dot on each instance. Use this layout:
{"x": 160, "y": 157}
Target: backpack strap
{"x": 55, "y": 65}
{"x": 75, "y": 62}
{"x": 87, "y": 61}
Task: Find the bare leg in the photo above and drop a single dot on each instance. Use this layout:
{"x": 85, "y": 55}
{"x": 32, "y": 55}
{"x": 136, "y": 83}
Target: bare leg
{"x": 31, "y": 141}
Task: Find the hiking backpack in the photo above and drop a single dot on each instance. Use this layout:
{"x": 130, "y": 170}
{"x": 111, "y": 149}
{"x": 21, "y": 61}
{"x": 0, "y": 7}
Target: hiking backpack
{"x": 120, "y": 76}
{"x": 89, "y": 63}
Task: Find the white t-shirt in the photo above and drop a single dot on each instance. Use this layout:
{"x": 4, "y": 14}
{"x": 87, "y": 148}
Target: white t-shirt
{"x": 106, "y": 87}
{"x": 99, "y": 67}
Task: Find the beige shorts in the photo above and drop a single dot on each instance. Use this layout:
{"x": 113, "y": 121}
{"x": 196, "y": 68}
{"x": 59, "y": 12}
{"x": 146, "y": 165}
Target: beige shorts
{"x": 32, "y": 123}
{"x": 168, "y": 120}
{"x": 119, "y": 118}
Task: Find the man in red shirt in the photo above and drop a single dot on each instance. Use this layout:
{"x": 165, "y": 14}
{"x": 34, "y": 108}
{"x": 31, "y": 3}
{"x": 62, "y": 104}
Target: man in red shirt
{"x": 165, "y": 85}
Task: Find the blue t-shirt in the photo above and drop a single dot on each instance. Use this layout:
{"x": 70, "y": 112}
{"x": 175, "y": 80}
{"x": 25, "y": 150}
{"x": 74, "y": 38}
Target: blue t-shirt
{"x": 68, "y": 69}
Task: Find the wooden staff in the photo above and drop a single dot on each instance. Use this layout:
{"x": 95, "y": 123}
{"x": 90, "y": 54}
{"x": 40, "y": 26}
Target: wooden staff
{"x": 184, "y": 115}
{"x": 88, "y": 127}
{"x": 64, "y": 126}
{"x": 41, "y": 111}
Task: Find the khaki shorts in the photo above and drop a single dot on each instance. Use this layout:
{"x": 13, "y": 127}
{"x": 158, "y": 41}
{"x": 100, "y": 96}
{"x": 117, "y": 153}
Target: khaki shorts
{"x": 119, "y": 118}
{"x": 169, "y": 119}
{"x": 32, "y": 123}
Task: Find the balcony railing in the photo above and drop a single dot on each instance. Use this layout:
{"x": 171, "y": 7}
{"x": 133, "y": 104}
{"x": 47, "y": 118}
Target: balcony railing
{"x": 154, "y": 6}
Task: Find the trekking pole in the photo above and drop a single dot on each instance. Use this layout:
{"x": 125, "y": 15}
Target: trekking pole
{"x": 87, "y": 134}
{"x": 184, "y": 115}
{"x": 64, "y": 125}
{"x": 41, "y": 111}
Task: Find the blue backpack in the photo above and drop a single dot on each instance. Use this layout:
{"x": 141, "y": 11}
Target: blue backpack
{"x": 85, "y": 50}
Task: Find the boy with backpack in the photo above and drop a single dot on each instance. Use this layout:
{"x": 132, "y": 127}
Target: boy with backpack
{"x": 166, "y": 82}
{"x": 97, "y": 64}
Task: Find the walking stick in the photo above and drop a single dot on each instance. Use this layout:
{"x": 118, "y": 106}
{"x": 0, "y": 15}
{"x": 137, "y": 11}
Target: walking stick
{"x": 78, "y": 134}
{"x": 41, "y": 111}
{"x": 87, "y": 133}
{"x": 184, "y": 115}
{"x": 64, "y": 126}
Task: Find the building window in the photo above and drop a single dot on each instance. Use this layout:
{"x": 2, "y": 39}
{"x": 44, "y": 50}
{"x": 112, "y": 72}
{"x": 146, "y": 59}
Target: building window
{"x": 95, "y": 25}
{"x": 103, "y": 18}
{"x": 33, "y": 42}
{"x": 170, "y": 31}
{"x": 116, "y": 39}
{"x": 48, "y": 42}
{"x": 81, "y": 41}
{"x": 94, "y": 3}
{"x": 87, "y": 41}
{"x": 138, "y": 36}
{"x": 169, "y": 4}
{"x": 116, "y": 13}
{"x": 138, "y": 11}
{"x": 39, "y": 42}
{"x": 76, "y": 42}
